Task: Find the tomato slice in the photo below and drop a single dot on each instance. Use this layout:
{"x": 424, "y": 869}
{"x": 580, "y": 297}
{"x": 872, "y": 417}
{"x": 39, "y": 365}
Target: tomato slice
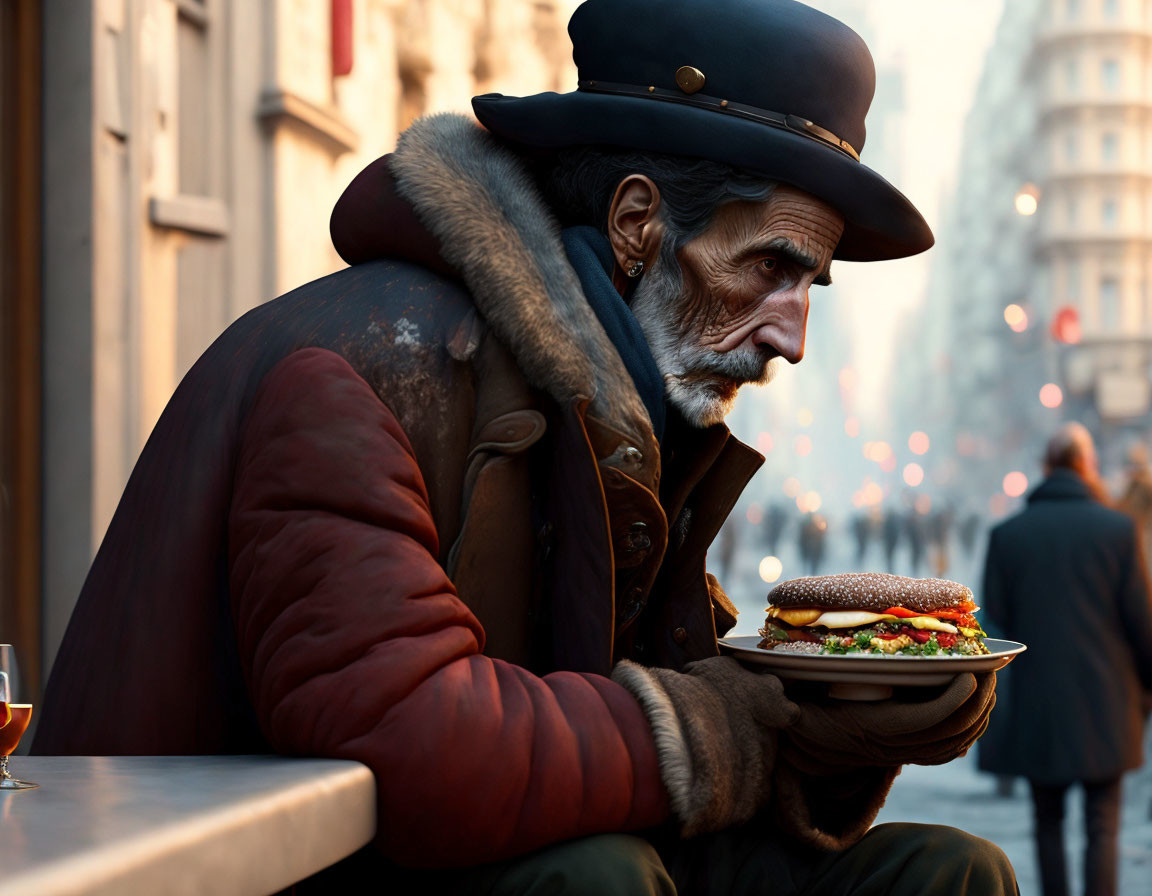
{"x": 956, "y": 612}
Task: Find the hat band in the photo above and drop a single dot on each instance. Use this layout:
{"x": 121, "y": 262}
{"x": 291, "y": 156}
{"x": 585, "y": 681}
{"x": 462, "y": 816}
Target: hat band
{"x": 794, "y": 123}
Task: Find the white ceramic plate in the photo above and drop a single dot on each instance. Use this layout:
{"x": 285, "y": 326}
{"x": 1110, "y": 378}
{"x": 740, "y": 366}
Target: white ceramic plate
{"x": 868, "y": 676}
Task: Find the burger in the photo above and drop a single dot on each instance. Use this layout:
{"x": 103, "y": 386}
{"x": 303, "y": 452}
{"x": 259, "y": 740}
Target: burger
{"x": 874, "y": 613}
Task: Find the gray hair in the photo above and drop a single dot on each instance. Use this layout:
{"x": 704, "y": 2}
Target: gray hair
{"x": 582, "y": 181}
{"x": 580, "y": 187}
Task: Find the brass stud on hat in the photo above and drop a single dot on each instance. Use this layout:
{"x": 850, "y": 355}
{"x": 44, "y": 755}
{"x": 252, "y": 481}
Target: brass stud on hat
{"x": 689, "y": 79}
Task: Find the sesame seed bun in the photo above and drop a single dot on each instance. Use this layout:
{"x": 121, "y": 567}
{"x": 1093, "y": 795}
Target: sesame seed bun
{"x": 875, "y": 591}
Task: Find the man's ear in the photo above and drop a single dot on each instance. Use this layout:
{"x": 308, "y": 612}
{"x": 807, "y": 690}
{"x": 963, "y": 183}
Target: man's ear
{"x": 635, "y": 228}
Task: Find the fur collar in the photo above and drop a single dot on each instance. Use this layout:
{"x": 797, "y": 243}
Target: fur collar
{"x": 478, "y": 199}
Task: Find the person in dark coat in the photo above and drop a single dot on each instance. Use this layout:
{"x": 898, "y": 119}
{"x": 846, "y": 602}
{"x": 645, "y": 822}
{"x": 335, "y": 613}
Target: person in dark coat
{"x": 1067, "y": 577}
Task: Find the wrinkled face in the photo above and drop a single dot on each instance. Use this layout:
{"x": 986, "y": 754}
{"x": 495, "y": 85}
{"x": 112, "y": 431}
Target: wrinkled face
{"x": 739, "y": 299}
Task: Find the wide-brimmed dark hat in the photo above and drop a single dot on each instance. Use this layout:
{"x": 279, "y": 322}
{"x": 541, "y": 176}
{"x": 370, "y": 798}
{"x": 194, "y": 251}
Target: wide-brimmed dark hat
{"x": 771, "y": 86}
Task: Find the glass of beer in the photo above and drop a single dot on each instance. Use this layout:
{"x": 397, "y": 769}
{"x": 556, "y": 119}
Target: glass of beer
{"x": 14, "y": 717}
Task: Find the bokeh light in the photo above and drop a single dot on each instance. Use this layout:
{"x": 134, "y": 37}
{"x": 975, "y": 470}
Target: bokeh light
{"x": 1027, "y": 200}
{"x": 923, "y": 504}
{"x": 1051, "y": 395}
{"x": 1016, "y": 318}
{"x": 809, "y": 502}
{"x": 754, "y": 514}
{"x": 918, "y": 442}
{"x": 791, "y": 486}
{"x": 877, "y": 451}
{"x": 804, "y": 417}
{"x": 803, "y": 445}
{"x": 852, "y": 427}
{"x": 771, "y": 569}
{"x": 1066, "y": 325}
{"x": 764, "y": 442}
{"x": 1015, "y": 484}
{"x": 913, "y": 474}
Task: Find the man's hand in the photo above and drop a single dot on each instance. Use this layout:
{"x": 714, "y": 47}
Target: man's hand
{"x": 845, "y": 735}
{"x": 837, "y": 763}
{"x": 715, "y": 727}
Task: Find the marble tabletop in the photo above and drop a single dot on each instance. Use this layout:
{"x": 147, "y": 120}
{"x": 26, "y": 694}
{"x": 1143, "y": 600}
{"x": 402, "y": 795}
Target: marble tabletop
{"x": 179, "y": 824}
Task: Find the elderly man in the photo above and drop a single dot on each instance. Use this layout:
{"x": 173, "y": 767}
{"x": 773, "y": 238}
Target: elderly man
{"x": 1067, "y": 575}
{"x": 446, "y": 512}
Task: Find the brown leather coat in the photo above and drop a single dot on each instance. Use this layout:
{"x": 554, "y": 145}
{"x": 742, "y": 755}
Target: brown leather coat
{"x": 419, "y": 484}
{"x": 572, "y": 488}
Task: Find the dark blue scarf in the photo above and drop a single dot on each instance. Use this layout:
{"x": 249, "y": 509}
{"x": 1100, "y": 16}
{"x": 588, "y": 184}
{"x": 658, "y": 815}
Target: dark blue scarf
{"x": 590, "y": 255}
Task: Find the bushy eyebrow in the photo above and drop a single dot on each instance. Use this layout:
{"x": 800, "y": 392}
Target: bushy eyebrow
{"x": 788, "y": 250}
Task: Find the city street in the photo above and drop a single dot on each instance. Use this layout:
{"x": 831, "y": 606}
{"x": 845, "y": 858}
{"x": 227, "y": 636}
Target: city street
{"x": 959, "y": 795}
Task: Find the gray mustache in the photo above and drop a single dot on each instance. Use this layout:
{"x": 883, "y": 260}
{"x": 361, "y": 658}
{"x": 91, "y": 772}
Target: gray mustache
{"x": 744, "y": 367}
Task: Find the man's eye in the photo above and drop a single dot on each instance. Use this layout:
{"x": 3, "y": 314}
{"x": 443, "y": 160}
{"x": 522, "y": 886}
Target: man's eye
{"x": 769, "y": 264}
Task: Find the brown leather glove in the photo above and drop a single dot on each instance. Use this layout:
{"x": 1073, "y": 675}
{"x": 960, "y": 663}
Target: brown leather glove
{"x": 715, "y": 727}
{"x": 838, "y": 762}
{"x": 837, "y": 736}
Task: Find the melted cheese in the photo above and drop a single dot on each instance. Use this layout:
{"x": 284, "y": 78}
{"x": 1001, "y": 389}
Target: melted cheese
{"x": 930, "y": 623}
{"x": 849, "y": 618}
{"x": 794, "y": 615}
{"x": 802, "y": 616}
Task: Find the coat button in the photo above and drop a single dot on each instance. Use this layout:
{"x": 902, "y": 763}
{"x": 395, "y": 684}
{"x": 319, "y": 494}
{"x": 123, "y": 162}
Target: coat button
{"x": 679, "y": 635}
{"x": 637, "y": 540}
{"x": 631, "y": 607}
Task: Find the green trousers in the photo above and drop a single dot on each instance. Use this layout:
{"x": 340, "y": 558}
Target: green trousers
{"x": 891, "y": 860}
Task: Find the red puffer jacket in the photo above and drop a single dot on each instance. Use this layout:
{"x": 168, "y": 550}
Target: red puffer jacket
{"x": 355, "y": 644}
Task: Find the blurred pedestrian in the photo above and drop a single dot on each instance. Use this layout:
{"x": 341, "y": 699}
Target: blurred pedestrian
{"x": 775, "y": 522}
{"x": 813, "y": 532}
{"x": 862, "y": 528}
{"x": 893, "y": 526}
{"x": 1136, "y": 497}
{"x": 1067, "y": 577}
{"x": 917, "y": 531}
{"x": 969, "y": 530}
{"x": 941, "y": 528}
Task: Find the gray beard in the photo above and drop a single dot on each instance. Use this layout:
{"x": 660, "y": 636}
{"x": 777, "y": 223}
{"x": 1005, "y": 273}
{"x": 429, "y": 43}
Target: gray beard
{"x": 700, "y": 383}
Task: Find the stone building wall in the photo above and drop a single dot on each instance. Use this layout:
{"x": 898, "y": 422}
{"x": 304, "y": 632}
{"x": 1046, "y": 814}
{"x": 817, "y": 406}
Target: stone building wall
{"x": 193, "y": 152}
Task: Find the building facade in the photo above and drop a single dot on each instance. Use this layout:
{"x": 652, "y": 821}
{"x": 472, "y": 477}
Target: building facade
{"x": 985, "y": 397}
{"x": 192, "y": 151}
{"x": 1092, "y": 64}
{"x": 1046, "y": 256}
